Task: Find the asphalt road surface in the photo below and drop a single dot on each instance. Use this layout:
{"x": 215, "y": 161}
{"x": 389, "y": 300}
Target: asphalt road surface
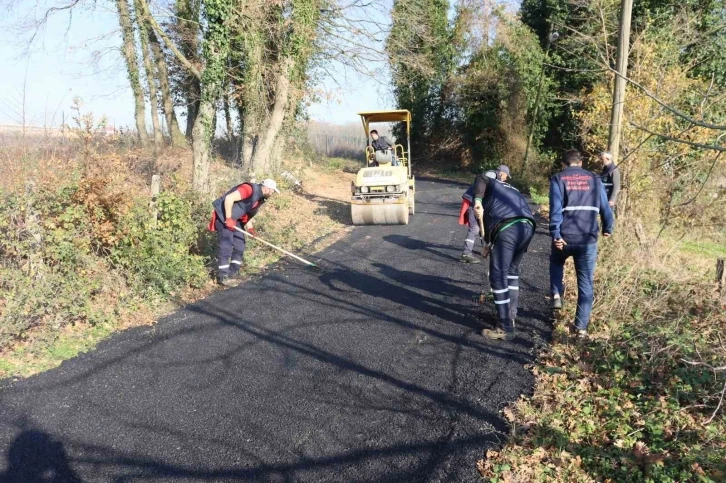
{"x": 372, "y": 370}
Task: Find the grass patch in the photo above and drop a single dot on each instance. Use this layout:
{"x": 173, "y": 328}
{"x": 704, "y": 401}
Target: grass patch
{"x": 339, "y": 164}
{"x": 703, "y": 248}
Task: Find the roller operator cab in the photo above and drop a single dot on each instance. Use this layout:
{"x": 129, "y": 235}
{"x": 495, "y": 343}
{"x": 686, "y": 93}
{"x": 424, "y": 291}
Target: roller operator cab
{"x": 384, "y": 193}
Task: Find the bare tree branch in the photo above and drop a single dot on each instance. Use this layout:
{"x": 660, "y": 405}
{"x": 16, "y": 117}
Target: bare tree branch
{"x": 720, "y": 402}
{"x": 676, "y": 140}
{"x": 169, "y": 43}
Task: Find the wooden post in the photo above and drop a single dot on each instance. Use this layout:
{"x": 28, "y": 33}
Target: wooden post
{"x": 721, "y": 277}
{"x": 616, "y": 115}
{"x": 155, "y": 189}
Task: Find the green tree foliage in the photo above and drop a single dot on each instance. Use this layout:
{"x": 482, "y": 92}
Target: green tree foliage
{"x": 420, "y": 56}
{"x": 470, "y": 84}
{"x": 496, "y": 90}
{"x": 588, "y": 44}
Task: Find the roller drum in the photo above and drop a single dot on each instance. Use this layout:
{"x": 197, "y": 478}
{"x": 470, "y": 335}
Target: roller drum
{"x": 380, "y": 214}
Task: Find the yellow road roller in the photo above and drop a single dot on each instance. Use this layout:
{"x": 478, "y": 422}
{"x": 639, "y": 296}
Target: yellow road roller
{"x": 383, "y": 192}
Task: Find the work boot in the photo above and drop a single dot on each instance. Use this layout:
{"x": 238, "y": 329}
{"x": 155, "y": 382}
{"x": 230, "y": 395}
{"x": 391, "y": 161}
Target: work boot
{"x": 236, "y": 275}
{"x": 469, "y": 259}
{"x": 226, "y": 280}
{"x": 579, "y": 333}
{"x": 498, "y": 334}
{"x": 556, "y": 302}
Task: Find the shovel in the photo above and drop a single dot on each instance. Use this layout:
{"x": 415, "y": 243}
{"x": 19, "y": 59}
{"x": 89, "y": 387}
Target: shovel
{"x": 483, "y": 296}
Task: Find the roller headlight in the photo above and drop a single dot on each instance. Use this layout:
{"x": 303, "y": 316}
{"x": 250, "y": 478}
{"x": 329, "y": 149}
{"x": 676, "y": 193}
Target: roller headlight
{"x": 364, "y": 189}
{"x": 391, "y": 189}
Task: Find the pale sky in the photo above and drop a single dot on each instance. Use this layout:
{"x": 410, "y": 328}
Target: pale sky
{"x": 79, "y": 56}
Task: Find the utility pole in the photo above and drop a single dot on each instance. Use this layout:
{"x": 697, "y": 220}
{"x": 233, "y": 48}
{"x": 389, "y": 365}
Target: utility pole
{"x": 616, "y": 117}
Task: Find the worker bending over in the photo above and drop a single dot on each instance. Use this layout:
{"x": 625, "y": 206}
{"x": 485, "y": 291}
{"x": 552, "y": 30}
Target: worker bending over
{"x": 466, "y": 214}
{"x": 508, "y": 230}
{"x": 577, "y": 197}
{"x": 236, "y": 207}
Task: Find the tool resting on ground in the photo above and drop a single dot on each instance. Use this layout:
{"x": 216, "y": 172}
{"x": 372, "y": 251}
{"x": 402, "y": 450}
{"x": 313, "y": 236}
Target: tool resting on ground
{"x": 276, "y": 247}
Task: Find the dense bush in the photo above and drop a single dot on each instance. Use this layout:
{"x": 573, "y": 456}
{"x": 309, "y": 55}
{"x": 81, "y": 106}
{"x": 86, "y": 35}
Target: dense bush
{"x": 161, "y": 259}
{"x": 97, "y": 249}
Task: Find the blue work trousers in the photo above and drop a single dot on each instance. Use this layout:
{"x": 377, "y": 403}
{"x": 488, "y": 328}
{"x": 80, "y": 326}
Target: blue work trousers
{"x": 584, "y": 256}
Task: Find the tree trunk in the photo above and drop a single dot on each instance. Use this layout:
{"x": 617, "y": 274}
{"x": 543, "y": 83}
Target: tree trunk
{"x": 188, "y": 23}
{"x": 193, "y": 94}
{"x": 213, "y": 78}
{"x": 150, "y": 74}
{"x": 213, "y": 129}
{"x": 132, "y": 68}
{"x": 200, "y": 145}
{"x": 177, "y": 138}
{"x": 162, "y": 73}
{"x": 228, "y": 119}
{"x": 261, "y": 158}
{"x": 248, "y": 140}
{"x": 276, "y": 154}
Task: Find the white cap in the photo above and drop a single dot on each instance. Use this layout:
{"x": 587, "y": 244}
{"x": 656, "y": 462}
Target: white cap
{"x": 270, "y": 183}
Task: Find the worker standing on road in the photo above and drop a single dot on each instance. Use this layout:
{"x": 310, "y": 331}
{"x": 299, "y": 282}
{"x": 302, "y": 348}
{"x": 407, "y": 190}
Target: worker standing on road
{"x": 466, "y": 214}
{"x": 610, "y": 177}
{"x": 577, "y": 197}
{"x": 508, "y": 230}
{"x": 236, "y": 207}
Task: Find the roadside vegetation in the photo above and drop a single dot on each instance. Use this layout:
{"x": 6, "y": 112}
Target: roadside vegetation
{"x": 85, "y": 249}
{"x": 83, "y": 255}
{"x": 643, "y": 399}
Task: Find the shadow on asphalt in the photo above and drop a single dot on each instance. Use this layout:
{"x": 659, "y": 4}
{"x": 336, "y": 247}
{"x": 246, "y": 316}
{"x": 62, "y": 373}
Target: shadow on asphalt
{"x": 36, "y": 457}
{"x": 417, "y": 245}
{"x": 441, "y": 416}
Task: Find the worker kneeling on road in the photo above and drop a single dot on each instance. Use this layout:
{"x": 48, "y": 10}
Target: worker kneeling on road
{"x": 508, "y": 230}
{"x": 236, "y": 207}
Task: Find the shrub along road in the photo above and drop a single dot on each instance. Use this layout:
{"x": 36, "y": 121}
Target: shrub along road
{"x": 372, "y": 370}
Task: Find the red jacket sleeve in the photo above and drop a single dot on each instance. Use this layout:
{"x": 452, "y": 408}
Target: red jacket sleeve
{"x": 245, "y": 190}
{"x": 464, "y": 212}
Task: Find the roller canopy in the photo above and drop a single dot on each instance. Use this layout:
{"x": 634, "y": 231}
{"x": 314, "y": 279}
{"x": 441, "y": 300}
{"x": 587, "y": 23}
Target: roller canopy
{"x": 400, "y": 115}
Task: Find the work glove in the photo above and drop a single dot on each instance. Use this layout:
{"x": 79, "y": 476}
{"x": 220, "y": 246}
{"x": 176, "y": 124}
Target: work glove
{"x": 250, "y": 228}
{"x": 478, "y": 210}
{"x": 230, "y": 223}
{"x": 252, "y": 231}
{"x": 486, "y": 250}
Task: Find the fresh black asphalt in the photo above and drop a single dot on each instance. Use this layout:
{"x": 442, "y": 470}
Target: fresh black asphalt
{"x": 372, "y": 370}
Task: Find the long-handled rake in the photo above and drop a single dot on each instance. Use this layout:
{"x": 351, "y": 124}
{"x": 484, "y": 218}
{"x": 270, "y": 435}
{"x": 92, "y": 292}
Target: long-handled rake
{"x": 311, "y": 264}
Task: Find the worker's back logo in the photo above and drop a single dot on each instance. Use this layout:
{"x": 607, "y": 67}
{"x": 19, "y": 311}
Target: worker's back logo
{"x": 577, "y": 182}
{"x": 377, "y": 173}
